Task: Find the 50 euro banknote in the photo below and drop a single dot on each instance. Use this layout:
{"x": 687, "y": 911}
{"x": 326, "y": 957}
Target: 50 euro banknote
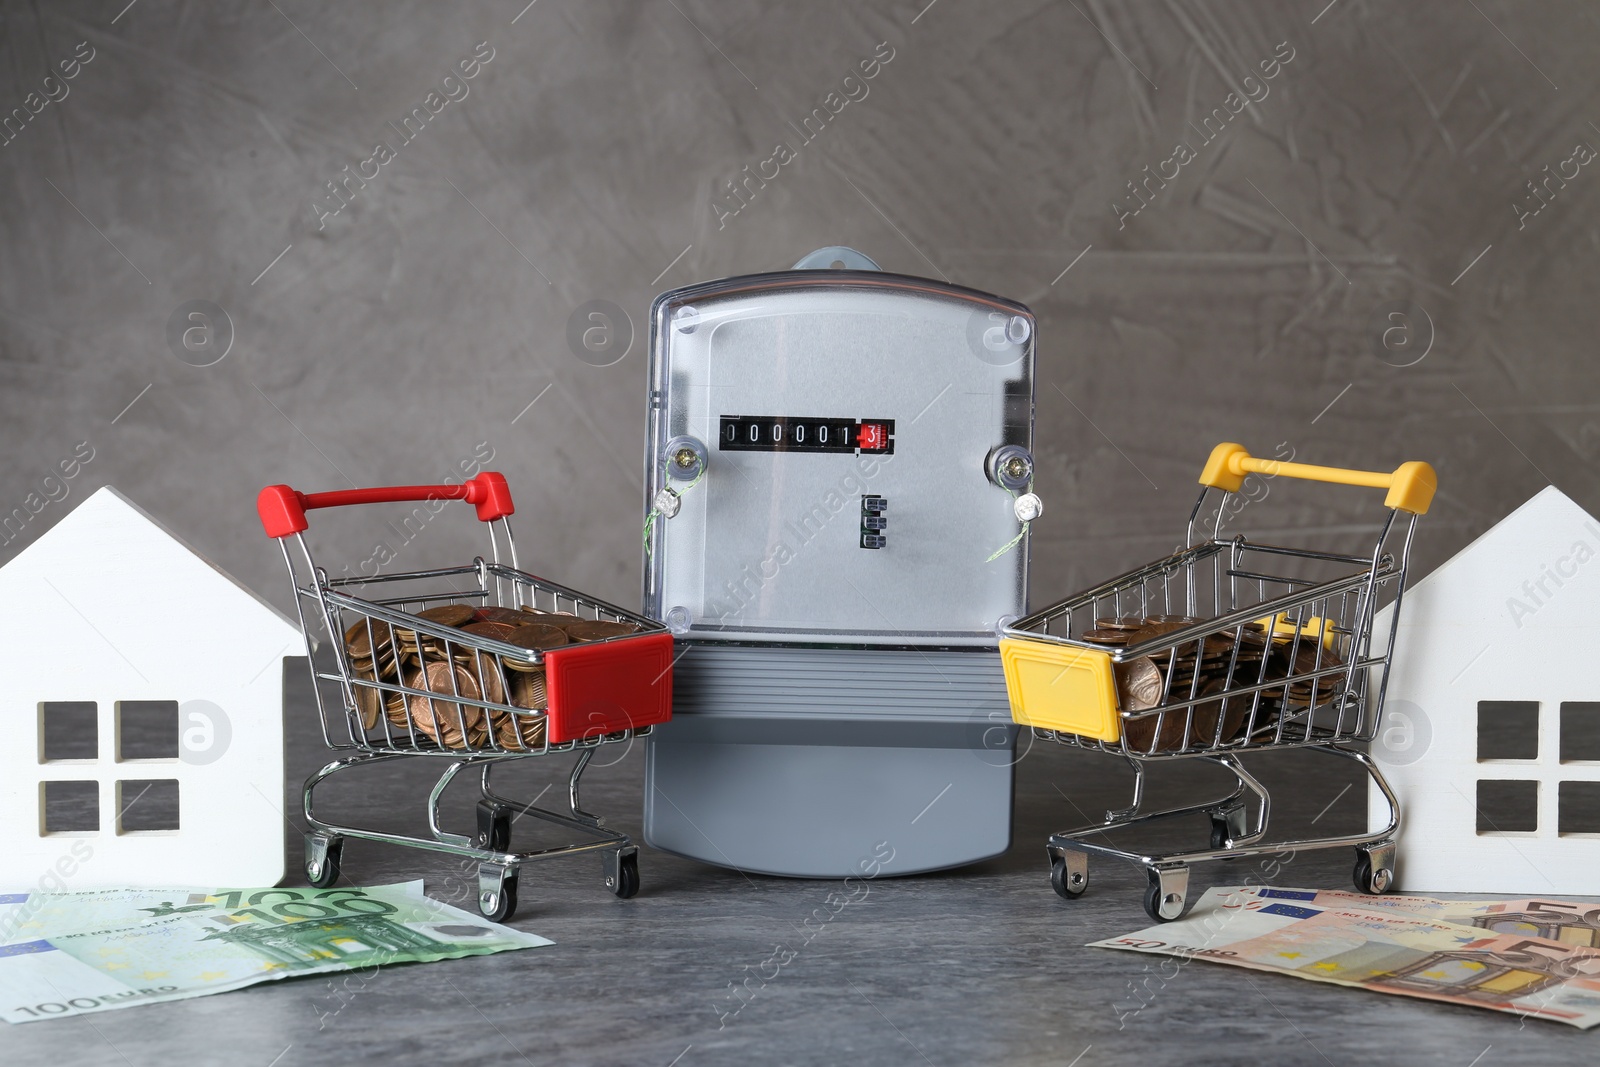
{"x": 1568, "y": 921}
{"x": 96, "y": 950}
{"x": 1386, "y": 952}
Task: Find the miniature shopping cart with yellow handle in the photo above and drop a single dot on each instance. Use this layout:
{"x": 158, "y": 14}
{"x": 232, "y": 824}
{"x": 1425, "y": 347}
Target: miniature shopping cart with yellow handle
{"x": 1227, "y": 646}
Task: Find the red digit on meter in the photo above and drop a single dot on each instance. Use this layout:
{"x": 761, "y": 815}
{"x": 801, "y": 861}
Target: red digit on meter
{"x": 873, "y": 437}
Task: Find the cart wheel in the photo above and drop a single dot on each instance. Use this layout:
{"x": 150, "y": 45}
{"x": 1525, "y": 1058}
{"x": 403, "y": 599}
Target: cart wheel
{"x": 497, "y": 897}
{"x": 1164, "y": 900}
{"x": 1227, "y": 825}
{"x": 494, "y": 827}
{"x": 1069, "y": 877}
{"x": 627, "y": 878}
{"x": 322, "y": 860}
{"x": 1373, "y": 877}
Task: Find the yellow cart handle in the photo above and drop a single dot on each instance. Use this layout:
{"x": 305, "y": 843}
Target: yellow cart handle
{"x": 1411, "y": 485}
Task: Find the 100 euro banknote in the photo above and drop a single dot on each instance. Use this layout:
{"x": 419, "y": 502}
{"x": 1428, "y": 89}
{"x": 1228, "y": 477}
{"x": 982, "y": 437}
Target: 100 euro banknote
{"x": 76, "y": 953}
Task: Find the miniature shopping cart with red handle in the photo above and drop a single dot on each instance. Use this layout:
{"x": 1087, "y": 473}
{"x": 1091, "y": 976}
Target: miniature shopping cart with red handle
{"x": 471, "y": 665}
{"x": 1228, "y": 646}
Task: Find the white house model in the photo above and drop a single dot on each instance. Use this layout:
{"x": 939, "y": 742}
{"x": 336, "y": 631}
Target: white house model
{"x": 1491, "y": 735}
{"x": 141, "y": 712}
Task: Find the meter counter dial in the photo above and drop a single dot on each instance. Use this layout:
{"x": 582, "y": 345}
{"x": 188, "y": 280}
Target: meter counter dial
{"x": 789, "y": 433}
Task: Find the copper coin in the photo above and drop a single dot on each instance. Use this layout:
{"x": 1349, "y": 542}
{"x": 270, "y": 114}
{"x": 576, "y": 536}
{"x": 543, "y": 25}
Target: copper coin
{"x": 358, "y": 639}
{"x": 448, "y": 614}
{"x": 1306, "y": 661}
{"x": 528, "y": 690}
{"x": 451, "y": 615}
{"x": 369, "y": 705}
{"x": 1105, "y": 636}
{"x": 430, "y": 648}
{"x": 518, "y": 733}
{"x": 596, "y": 629}
{"x": 451, "y": 724}
{"x": 486, "y": 671}
{"x": 493, "y": 613}
{"x": 1230, "y": 713}
{"x": 1155, "y": 628}
{"x": 1138, "y": 684}
{"x": 395, "y": 708}
{"x": 538, "y": 636}
{"x": 497, "y": 631}
{"x": 1155, "y": 731}
{"x": 369, "y": 699}
{"x": 1182, "y": 729}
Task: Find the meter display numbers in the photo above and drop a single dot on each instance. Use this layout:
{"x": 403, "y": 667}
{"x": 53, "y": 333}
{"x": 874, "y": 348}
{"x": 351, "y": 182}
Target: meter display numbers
{"x": 790, "y": 433}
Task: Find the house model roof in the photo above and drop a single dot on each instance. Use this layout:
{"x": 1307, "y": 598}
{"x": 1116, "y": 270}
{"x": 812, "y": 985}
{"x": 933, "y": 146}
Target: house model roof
{"x": 1518, "y": 573}
{"x": 112, "y": 586}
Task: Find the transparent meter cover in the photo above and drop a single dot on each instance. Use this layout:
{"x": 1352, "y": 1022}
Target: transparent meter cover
{"x": 825, "y": 436}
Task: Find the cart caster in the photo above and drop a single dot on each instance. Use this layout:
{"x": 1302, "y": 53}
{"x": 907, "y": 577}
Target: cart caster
{"x": 1374, "y": 867}
{"x": 494, "y": 827}
{"x": 497, "y": 892}
{"x": 1069, "y": 874}
{"x": 622, "y": 872}
{"x": 322, "y": 859}
{"x": 1227, "y": 825}
{"x": 1164, "y": 900}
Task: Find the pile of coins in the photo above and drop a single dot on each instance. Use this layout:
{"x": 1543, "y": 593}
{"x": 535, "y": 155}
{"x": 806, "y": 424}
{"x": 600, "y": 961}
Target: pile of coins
{"x": 1199, "y": 668}
{"x": 379, "y": 652}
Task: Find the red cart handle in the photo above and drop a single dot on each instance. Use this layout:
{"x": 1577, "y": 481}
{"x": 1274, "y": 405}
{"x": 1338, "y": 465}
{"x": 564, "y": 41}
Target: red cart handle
{"x": 283, "y": 510}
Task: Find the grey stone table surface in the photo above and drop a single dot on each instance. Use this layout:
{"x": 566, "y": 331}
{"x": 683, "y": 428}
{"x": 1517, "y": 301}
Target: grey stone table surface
{"x": 980, "y": 965}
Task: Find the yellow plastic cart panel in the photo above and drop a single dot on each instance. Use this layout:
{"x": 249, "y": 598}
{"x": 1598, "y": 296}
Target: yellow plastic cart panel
{"x": 1059, "y": 687}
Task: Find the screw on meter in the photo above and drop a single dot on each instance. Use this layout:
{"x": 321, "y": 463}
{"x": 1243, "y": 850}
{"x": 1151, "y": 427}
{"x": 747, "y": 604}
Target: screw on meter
{"x": 686, "y": 458}
{"x": 1010, "y": 467}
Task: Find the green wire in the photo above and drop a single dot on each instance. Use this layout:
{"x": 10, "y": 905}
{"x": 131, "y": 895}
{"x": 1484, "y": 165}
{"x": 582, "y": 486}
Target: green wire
{"x": 1015, "y": 541}
{"x": 650, "y": 519}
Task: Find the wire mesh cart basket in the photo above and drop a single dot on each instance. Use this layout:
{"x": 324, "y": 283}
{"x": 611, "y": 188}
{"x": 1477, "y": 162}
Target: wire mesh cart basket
{"x": 472, "y": 666}
{"x": 1226, "y": 647}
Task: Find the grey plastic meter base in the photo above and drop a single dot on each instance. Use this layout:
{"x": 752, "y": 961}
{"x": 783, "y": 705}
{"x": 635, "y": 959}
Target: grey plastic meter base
{"x": 819, "y": 810}
{"x": 805, "y": 762}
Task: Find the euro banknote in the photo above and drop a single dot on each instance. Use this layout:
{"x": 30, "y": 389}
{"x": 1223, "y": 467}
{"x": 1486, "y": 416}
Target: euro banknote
{"x": 91, "y": 951}
{"x": 1386, "y": 952}
{"x": 1567, "y": 921}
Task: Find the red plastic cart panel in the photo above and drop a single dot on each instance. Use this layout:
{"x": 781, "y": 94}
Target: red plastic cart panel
{"x": 602, "y": 688}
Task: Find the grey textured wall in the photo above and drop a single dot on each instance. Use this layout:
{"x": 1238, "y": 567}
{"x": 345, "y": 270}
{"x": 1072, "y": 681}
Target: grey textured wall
{"x": 1384, "y": 166}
